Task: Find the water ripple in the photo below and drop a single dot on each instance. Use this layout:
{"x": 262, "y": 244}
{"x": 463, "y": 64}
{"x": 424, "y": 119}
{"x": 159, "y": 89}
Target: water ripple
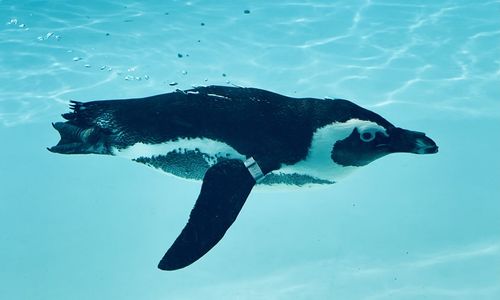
{"x": 441, "y": 58}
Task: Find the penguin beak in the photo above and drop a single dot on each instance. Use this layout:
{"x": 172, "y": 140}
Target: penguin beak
{"x": 402, "y": 140}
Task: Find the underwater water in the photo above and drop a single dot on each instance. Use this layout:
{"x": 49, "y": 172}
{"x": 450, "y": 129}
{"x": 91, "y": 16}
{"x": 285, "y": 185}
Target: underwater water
{"x": 403, "y": 227}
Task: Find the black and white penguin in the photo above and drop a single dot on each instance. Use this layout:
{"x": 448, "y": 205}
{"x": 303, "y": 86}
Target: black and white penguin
{"x": 232, "y": 138}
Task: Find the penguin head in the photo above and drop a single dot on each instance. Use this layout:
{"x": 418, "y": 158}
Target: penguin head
{"x": 369, "y": 141}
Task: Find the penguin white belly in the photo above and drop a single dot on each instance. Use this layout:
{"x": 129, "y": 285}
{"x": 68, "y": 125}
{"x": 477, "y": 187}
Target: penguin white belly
{"x": 191, "y": 158}
{"x": 211, "y": 148}
{"x": 184, "y": 158}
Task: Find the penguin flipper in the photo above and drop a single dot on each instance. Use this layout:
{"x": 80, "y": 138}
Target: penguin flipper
{"x": 225, "y": 188}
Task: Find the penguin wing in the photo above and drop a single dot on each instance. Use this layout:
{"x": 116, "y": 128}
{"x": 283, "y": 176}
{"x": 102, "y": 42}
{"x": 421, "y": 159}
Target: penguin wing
{"x": 226, "y": 186}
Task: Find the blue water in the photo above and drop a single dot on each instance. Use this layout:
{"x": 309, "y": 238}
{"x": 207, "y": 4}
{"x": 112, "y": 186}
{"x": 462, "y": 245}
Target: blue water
{"x": 403, "y": 227}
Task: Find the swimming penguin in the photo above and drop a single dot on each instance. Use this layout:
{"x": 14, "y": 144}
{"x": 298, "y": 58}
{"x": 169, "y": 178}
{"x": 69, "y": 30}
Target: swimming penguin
{"x": 232, "y": 138}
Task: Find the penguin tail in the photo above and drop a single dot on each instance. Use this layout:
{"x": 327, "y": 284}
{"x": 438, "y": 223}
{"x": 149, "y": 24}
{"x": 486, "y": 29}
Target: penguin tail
{"x": 86, "y": 114}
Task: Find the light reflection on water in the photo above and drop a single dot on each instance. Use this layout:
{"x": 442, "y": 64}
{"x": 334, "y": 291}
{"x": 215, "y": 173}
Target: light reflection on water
{"x": 438, "y": 58}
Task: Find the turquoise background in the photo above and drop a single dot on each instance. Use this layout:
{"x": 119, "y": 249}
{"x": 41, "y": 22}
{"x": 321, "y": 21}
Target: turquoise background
{"x": 404, "y": 227}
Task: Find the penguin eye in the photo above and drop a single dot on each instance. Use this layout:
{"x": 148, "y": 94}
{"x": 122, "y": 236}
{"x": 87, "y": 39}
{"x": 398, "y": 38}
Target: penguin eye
{"x": 367, "y": 136}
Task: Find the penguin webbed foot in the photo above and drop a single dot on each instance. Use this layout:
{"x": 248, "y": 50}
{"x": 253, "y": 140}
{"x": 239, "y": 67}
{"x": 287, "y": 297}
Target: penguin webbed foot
{"x": 225, "y": 188}
{"x": 74, "y": 139}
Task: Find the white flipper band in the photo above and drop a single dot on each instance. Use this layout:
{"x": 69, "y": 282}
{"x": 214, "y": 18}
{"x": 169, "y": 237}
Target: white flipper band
{"x": 254, "y": 169}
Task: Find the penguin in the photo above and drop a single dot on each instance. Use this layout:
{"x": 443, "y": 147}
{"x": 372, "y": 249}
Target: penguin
{"x": 233, "y": 138}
